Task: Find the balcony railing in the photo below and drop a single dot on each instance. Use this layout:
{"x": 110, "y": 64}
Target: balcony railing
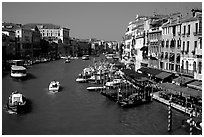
{"x": 188, "y": 34}
{"x": 187, "y": 72}
{"x": 193, "y": 52}
{"x": 197, "y": 33}
{"x": 183, "y": 34}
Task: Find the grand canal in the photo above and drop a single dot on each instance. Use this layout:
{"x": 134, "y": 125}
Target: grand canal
{"x": 76, "y": 111}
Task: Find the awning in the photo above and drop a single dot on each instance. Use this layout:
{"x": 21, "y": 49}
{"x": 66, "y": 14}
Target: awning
{"x": 186, "y": 91}
{"x": 143, "y": 69}
{"x": 153, "y": 71}
{"x": 195, "y": 84}
{"x": 163, "y": 75}
{"x": 134, "y": 75}
{"x": 144, "y": 48}
{"x": 183, "y": 80}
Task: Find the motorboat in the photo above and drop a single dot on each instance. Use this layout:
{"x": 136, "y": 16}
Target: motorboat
{"x": 16, "y": 102}
{"x": 81, "y": 80}
{"x": 18, "y": 71}
{"x": 95, "y": 88}
{"x": 85, "y": 57}
{"x": 67, "y": 61}
{"x": 54, "y": 86}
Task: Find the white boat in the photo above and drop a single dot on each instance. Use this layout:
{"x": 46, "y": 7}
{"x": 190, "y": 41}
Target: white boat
{"x": 54, "y": 86}
{"x": 67, "y": 61}
{"x": 95, "y": 88}
{"x": 81, "y": 80}
{"x": 18, "y": 71}
{"x": 85, "y": 57}
{"x": 16, "y": 102}
{"x": 114, "y": 83}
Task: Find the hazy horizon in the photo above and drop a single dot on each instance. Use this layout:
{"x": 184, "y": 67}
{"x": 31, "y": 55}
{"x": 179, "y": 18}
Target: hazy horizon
{"x": 101, "y": 20}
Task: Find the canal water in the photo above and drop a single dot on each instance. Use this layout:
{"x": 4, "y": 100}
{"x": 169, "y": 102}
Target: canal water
{"x": 76, "y": 111}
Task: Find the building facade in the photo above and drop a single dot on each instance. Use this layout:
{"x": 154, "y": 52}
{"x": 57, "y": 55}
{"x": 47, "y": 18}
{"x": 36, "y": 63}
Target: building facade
{"x": 170, "y": 56}
{"x": 191, "y": 59}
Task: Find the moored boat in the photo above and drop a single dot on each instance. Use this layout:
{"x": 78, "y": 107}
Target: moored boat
{"x": 95, "y": 88}
{"x": 67, "y": 61}
{"x": 54, "y": 86}
{"x": 16, "y": 102}
{"x": 81, "y": 80}
{"x": 85, "y": 57}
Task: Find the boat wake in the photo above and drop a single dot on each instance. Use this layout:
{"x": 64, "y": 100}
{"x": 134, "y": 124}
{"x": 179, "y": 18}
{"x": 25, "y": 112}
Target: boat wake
{"x": 8, "y": 111}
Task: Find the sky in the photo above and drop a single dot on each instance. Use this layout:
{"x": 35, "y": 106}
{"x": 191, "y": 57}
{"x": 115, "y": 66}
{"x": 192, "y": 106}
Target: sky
{"x": 101, "y": 20}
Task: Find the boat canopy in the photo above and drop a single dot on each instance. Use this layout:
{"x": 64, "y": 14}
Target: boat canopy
{"x": 17, "y": 98}
{"x": 18, "y": 67}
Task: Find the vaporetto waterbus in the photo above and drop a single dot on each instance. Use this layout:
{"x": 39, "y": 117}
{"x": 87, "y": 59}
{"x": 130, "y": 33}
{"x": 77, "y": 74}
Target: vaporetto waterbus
{"x": 18, "y": 71}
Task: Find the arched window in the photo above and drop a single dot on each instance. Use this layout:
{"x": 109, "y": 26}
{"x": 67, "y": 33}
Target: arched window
{"x": 199, "y": 67}
{"x": 187, "y": 66}
{"x": 166, "y": 55}
{"x": 178, "y": 58}
{"x": 194, "y": 66}
{"x": 133, "y": 42}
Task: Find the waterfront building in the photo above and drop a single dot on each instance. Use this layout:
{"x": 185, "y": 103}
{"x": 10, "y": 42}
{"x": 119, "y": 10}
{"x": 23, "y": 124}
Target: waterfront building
{"x": 134, "y": 41}
{"x": 8, "y": 43}
{"x": 191, "y": 58}
{"x": 128, "y": 41}
{"x": 138, "y": 41}
{"x": 54, "y": 33}
{"x": 35, "y": 41}
{"x": 171, "y": 44}
{"x": 154, "y": 37}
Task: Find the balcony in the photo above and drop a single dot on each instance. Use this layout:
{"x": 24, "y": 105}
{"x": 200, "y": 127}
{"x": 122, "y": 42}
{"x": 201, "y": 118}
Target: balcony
{"x": 183, "y": 34}
{"x": 193, "y": 52}
{"x": 186, "y": 51}
{"x": 197, "y": 33}
{"x": 188, "y": 34}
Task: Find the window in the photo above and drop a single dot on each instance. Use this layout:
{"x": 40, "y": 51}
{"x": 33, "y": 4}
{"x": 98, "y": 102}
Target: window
{"x": 189, "y": 29}
{"x": 199, "y": 67}
{"x": 183, "y": 45}
{"x": 194, "y": 66}
{"x": 184, "y": 29}
{"x": 196, "y": 28}
{"x": 200, "y": 43}
{"x": 195, "y": 45}
{"x": 167, "y": 43}
{"x": 166, "y": 66}
{"x": 187, "y": 66}
{"x": 178, "y": 44}
{"x": 187, "y": 46}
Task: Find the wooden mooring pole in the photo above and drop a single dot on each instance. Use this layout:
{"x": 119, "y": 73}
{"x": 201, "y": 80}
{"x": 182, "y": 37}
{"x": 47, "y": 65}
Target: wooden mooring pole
{"x": 191, "y": 122}
{"x": 169, "y": 116}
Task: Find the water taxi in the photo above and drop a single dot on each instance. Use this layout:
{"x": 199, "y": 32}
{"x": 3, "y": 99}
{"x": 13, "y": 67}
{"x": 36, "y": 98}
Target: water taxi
{"x": 54, "y": 86}
{"x": 16, "y": 102}
{"x": 18, "y": 71}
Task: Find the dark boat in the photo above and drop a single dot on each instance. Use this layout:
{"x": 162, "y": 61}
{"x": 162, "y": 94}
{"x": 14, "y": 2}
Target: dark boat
{"x": 17, "y": 102}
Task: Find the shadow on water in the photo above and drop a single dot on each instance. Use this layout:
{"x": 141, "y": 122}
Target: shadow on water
{"x": 30, "y": 76}
{"x": 5, "y": 73}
